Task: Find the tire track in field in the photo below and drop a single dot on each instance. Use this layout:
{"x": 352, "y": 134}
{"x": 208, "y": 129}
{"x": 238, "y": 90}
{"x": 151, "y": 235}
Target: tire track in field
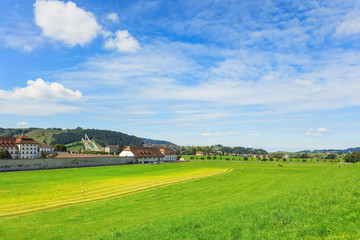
{"x": 102, "y": 192}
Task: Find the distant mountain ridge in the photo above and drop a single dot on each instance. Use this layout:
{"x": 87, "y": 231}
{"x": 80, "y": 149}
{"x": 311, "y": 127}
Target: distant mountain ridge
{"x": 163, "y": 142}
{"x": 348, "y": 150}
{"x": 52, "y": 136}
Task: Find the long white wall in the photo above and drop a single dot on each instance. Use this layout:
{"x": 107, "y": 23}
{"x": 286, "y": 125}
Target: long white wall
{"x": 53, "y": 163}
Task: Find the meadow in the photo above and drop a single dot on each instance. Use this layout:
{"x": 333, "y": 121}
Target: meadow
{"x": 191, "y": 200}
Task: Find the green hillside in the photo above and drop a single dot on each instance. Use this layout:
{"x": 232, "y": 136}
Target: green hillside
{"x": 52, "y": 136}
{"x": 44, "y": 135}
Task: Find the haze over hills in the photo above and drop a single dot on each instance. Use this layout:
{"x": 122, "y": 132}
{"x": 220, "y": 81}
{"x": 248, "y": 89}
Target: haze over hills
{"x": 348, "y": 150}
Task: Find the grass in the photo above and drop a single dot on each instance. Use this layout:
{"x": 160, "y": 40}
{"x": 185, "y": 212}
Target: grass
{"x": 75, "y": 146}
{"x": 48, "y": 196}
{"x": 253, "y": 201}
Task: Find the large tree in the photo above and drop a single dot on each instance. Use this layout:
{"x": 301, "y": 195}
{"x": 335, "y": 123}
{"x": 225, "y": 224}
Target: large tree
{"x": 60, "y": 148}
{"x": 352, "y": 158}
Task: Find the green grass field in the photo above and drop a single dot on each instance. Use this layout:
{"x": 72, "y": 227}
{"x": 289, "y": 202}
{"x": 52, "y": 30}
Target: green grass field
{"x": 193, "y": 200}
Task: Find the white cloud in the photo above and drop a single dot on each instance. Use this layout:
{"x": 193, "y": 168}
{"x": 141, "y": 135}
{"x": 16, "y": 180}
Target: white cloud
{"x": 165, "y": 72}
{"x": 322, "y": 130}
{"x": 316, "y": 133}
{"x": 123, "y": 42}
{"x": 23, "y": 124}
{"x": 65, "y": 22}
{"x": 113, "y": 17}
{"x": 39, "y": 90}
{"x": 254, "y": 134}
{"x": 313, "y": 134}
{"x": 351, "y": 26}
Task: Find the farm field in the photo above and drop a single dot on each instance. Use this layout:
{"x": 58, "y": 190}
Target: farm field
{"x": 193, "y": 200}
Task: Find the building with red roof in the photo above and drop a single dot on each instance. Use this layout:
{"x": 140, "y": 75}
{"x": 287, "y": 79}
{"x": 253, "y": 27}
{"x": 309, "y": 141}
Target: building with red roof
{"x": 149, "y": 154}
{"x": 20, "y": 147}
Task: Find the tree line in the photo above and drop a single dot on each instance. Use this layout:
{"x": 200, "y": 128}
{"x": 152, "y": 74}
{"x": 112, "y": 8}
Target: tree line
{"x": 352, "y": 157}
{"x": 220, "y": 149}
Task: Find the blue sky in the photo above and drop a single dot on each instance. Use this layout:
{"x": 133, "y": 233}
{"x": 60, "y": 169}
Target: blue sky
{"x": 278, "y": 75}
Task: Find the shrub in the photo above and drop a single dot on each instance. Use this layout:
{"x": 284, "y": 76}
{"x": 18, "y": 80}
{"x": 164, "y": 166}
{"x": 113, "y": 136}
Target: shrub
{"x": 271, "y": 159}
{"x": 202, "y": 158}
{"x": 245, "y": 158}
{"x": 304, "y": 160}
{"x": 264, "y": 159}
{"x": 4, "y": 154}
{"x": 191, "y": 158}
{"x": 208, "y": 157}
{"x": 284, "y": 159}
{"x": 214, "y": 158}
{"x": 227, "y": 159}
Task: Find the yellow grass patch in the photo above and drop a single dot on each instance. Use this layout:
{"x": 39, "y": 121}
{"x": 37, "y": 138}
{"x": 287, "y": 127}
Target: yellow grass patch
{"x": 59, "y": 196}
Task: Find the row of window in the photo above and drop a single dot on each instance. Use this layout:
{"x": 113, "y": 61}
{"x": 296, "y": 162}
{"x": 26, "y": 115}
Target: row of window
{"x": 28, "y": 153}
{"x": 27, "y": 148}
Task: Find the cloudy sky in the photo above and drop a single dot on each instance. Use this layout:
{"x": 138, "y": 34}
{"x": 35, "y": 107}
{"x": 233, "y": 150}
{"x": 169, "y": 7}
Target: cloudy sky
{"x": 279, "y": 75}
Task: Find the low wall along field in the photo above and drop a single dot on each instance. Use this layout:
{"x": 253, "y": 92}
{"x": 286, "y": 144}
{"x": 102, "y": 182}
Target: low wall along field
{"x": 53, "y": 163}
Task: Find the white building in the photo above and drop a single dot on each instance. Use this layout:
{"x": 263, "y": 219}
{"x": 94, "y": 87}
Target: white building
{"x": 149, "y": 154}
{"x": 112, "y": 148}
{"x": 170, "y": 155}
{"x": 45, "y": 148}
{"x": 21, "y": 147}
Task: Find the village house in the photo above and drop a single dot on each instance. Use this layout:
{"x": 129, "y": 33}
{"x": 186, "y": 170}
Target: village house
{"x": 170, "y": 155}
{"x": 112, "y": 148}
{"x": 45, "y": 148}
{"x": 20, "y": 147}
{"x": 149, "y": 154}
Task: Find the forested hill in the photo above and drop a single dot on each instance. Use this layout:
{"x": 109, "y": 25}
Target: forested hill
{"x": 54, "y": 136}
{"x": 157, "y": 141}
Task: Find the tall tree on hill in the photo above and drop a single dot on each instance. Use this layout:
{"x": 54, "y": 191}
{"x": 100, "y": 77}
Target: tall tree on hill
{"x": 207, "y": 149}
{"x": 60, "y": 148}
{"x": 193, "y": 151}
